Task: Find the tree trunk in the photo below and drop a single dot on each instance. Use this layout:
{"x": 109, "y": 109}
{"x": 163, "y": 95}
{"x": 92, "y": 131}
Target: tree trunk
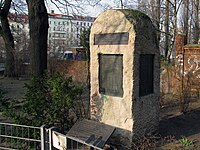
{"x": 185, "y": 20}
{"x": 122, "y": 4}
{"x": 38, "y": 22}
{"x": 9, "y": 40}
{"x": 196, "y": 21}
{"x": 157, "y": 13}
{"x": 167, "y": 29}
{"x": 171, "y": 51}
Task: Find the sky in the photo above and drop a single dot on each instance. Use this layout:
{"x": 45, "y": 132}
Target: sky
{"x": 89, "y": 10}
{"x": 96, "y": 10}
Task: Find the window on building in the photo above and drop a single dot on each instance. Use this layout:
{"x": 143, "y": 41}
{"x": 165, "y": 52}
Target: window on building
{"x": 146, "y": 74}
{"x": 59, "y": 28}
{"x": 84, "y": 24}
{"x": 77, "y": 23}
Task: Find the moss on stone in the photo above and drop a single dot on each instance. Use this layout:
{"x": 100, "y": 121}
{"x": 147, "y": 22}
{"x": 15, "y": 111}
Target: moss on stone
{"x": 134, "y": 15}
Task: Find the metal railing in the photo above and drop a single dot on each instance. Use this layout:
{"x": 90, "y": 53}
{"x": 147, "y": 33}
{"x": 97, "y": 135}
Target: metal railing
{"x": 66, "y": 142}
{"x": 14, "y": 136}
{"x": 22, "y": 137}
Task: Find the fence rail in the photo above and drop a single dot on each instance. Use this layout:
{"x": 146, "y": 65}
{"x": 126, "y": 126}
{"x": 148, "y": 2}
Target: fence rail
{"x": 14, "y": 136}
{"x": 23, "y": 137}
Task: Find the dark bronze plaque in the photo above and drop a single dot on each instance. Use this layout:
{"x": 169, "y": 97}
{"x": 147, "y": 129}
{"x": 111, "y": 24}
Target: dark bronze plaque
{"x": 111, "y": 75}
{"x": 146, "y": 74}
{"x": 91, "y": 133}
{"x": 111, "y": 38}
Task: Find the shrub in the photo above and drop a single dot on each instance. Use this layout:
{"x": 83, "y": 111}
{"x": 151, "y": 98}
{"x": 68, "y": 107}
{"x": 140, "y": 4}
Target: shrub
{"x": 3, "y": 100}
{"x": 50, "y": 100}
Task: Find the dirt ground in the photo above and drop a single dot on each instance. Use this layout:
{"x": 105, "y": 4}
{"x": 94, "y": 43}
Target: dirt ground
{"x": 173, "y": 124}
{"x": 14, "y": 89}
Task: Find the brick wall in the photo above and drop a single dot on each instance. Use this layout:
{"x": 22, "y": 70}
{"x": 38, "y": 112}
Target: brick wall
{"x": 77, "y": 69}
{"x": 187, "y": 66}
{"x": 179, "y": 43}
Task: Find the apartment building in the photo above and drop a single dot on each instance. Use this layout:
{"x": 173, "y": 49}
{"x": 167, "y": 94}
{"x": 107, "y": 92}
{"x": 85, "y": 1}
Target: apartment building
{"x": 20, "y": 29}
{"x": 65, "y": 30}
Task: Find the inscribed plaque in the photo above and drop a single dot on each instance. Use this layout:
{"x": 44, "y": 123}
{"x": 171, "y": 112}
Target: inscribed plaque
{"x": 146, "y": 74}
{"x": 92, "y": 133}
{"x": 111, "y": 38}
{"x": 111, "y": 75}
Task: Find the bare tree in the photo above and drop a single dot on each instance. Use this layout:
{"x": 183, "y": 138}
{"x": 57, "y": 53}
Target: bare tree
{"x": 185, "y": 20}
{"x": 196, "y": 21}
{"x": 169, "y": 25}
{"x": 8, "y": 38}
{"x": 157, "y": 18}
{"x": 175, "y": 6}
{"x": 166, "y": 29}
{"x": 38, "y": 22}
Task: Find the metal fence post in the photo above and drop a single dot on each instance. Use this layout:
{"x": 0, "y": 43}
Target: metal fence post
{"x": 43, "y": 137}
{"x": 50, "y": 137}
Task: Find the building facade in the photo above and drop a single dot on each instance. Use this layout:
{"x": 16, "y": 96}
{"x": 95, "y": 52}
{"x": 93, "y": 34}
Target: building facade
{"x": 20, "y": 30}
{"x": 65, "y": 31}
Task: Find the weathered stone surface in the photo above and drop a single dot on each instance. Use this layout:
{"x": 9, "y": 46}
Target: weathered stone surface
{"x": 133, "y": 115}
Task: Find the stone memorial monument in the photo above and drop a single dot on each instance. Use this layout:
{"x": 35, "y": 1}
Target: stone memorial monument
{"x": 125, "y": 74}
